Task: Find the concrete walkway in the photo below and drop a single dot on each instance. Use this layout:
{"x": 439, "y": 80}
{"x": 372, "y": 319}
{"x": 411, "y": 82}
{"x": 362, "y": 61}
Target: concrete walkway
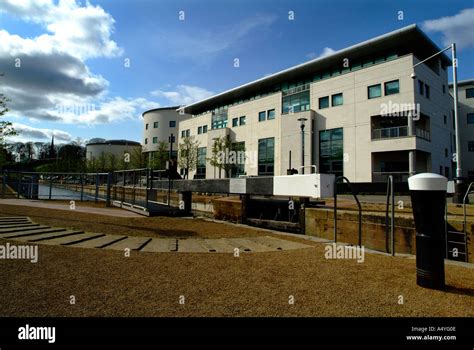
{"x": 24, "y": 230}
{"x": 100, "y": 211}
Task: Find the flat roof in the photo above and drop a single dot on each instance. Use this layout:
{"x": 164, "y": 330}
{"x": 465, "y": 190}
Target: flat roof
{"x": 411, "y": 38}
{"x": 463, "y": 82}
{"x": 160, "y": 109}
{"x": 116, "y": 142}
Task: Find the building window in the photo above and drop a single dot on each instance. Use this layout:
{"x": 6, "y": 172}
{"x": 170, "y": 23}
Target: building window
{"x": 155, "y": 140}
{"x": 296, "y": 102}
{"x": 445, "y": 152}
{"x": 204, "y": 129}
{"x": 331, "y": 151}
{"x": 270, "y": 114}
{"x": 470, "y": 146}
{"x": 445, "y": 120}
{"x": 219, "y": 119}
{"x": 201, "y": 163}
{"x": 323, "y": 102}
{"x": 183, "y": 133}
{"x": 427, "y": 91}
{"x": 261, "y": 116}
{"x": 392, "y": 87}
{"x": 444, "y": 89}
{"x": 188, "y": 132}
{"x": 374, "y": 91}
{"x": 155, "y": 125}
{"x": 470, "y": 93}
{"x": 146, "y": 141}
{"x": 238, "y": 168}
{"x": 242, "y": 120}
{"x": 337, "y": 100}
{"x": 146, "y": 126}
{"x": 172, "y": 123}
{"x": 235, "y": 122}
{"x": 199, "y": 130}
{"x": 470, "y": 118}
{"x": 266, "y": 149}
{"x": 421, "y": 87}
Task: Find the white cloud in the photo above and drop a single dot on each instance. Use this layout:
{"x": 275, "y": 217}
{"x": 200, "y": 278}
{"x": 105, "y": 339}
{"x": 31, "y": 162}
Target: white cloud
{"x": 28, "y": 133}
{"x": 458, "y": 28}
{"x": 80, "y": 31}
{"x": 184, "y": 94}
{"x": 326, "y": 52}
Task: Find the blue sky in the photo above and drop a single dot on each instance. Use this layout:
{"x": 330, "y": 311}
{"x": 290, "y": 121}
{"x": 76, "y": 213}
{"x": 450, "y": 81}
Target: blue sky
{"x": 73, "y": 79}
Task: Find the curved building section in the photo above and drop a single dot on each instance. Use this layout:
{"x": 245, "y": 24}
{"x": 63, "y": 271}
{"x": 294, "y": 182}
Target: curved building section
{"x": 158, "y": 125}
{"x": 118, "y": 148}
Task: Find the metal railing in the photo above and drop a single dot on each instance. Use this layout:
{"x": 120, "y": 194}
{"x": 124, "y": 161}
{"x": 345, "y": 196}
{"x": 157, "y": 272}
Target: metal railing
{"x": 399, "y": 131}
{"x": 386, "y": 133}
{"x": 382, "y": 176}
{"x": 335, "y": 208}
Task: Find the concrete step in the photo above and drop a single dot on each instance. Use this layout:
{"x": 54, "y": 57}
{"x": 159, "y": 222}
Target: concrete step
{"x": 69, "y": 239}
{"x": 43, "y": 236}
{"x": 31, "y": 231}
{"x": 279, "y": 244}
{"x": 248, "y": 245}
{"x": 192, "y": 245}
{"x": 18, "y": 225}
{"x": 160, "y": 245}
{"x": 220, "y": 245}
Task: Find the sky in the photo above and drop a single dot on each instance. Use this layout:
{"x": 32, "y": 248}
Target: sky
{"x": 89, "y": 69}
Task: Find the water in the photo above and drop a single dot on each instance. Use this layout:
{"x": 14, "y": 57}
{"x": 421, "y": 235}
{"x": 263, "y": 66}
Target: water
{"x": 61, "y": 193}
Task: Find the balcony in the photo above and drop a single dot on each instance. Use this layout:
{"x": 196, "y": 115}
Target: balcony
{"x": 399, "y": 131}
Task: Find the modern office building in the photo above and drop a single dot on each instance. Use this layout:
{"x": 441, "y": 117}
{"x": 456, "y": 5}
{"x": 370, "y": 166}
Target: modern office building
{"x": 367, "y": 113}
{"x": 466, "y": 126}
{"x": 117, "y": 148}
{"x": 159, "y": 125}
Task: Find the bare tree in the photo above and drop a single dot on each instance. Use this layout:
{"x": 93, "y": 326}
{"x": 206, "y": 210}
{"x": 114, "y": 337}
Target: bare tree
{"x": 188, "y": 154}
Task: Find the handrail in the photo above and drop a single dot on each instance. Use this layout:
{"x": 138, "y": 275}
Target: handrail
{"x": 335, "y": 208}
{"x": 390, "y": 194}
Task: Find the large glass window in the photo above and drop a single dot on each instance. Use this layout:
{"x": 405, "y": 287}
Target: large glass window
{"x": 155, "y": 140}
{"x": 470, "y": 93}
{"x": 470, "y": 118}
{"x": 337, "y": 100}
{"x": 261, "y": 116}
{"x": 374, "y": 91}
{"x": 155, "y": 125}
{"x": 331, "y": 151}
{"x": 296, "y": 102}
{"x": 201, "y": 163}
{"x": 219, "y": 119}
{"x": 266, "y": 150}
{"x": 172, "y": 123}
{"x": 392, "y": 87}
{"x": 239, "y": 167}
{"x": 323, "y": 102}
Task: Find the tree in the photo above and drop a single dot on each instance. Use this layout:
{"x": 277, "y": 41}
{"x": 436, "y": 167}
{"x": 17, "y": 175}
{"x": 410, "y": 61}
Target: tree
{"x": 6, "y": 128}
{"x": 220, "y": 148}
{"x": 137, "y": 159}
{"x": 71, "y": 158}
{"x": 157, "y": 159}
{"x": 188, "y": 154}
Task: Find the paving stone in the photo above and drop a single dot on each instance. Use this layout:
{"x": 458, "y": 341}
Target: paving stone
{"x": 8, "y": 232}
{"x": 131, "y": 243}
{"x": 160, "y": 245}
{"x": 245, "y": 244}
{"x": 5, "y": 227}
{"x": 44, "y": 235}
{"x": 279, "y": 244}
{"x": 97, "y": 242}
{"x": 192, "y": 245}
{"x": 68, "y": 239}
{"x": 36, "y": 231}
{"x": 220, "y": 245}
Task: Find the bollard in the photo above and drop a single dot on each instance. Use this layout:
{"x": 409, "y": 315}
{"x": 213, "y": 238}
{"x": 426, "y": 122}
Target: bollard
{"x": 428, "y": 197}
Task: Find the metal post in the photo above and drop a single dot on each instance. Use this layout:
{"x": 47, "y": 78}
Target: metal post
{"x": 82, "y": 187}
{"x": 109, "y": 184}
{"x": 169, "y": 169}
{"x": 50, "y": 187}
{"x": 18, "y": 185}
{"x": 97, "y": 187}
{"x": 456, "y": 117}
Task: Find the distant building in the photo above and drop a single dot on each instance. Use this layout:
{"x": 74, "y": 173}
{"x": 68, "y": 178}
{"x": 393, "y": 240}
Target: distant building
{"x": 466, "y": 126}
{"x": 118, "y": 148}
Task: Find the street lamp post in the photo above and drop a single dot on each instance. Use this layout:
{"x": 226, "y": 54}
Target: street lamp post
{"x": 302, "y": 125}
{"x": 459, "y": 188}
